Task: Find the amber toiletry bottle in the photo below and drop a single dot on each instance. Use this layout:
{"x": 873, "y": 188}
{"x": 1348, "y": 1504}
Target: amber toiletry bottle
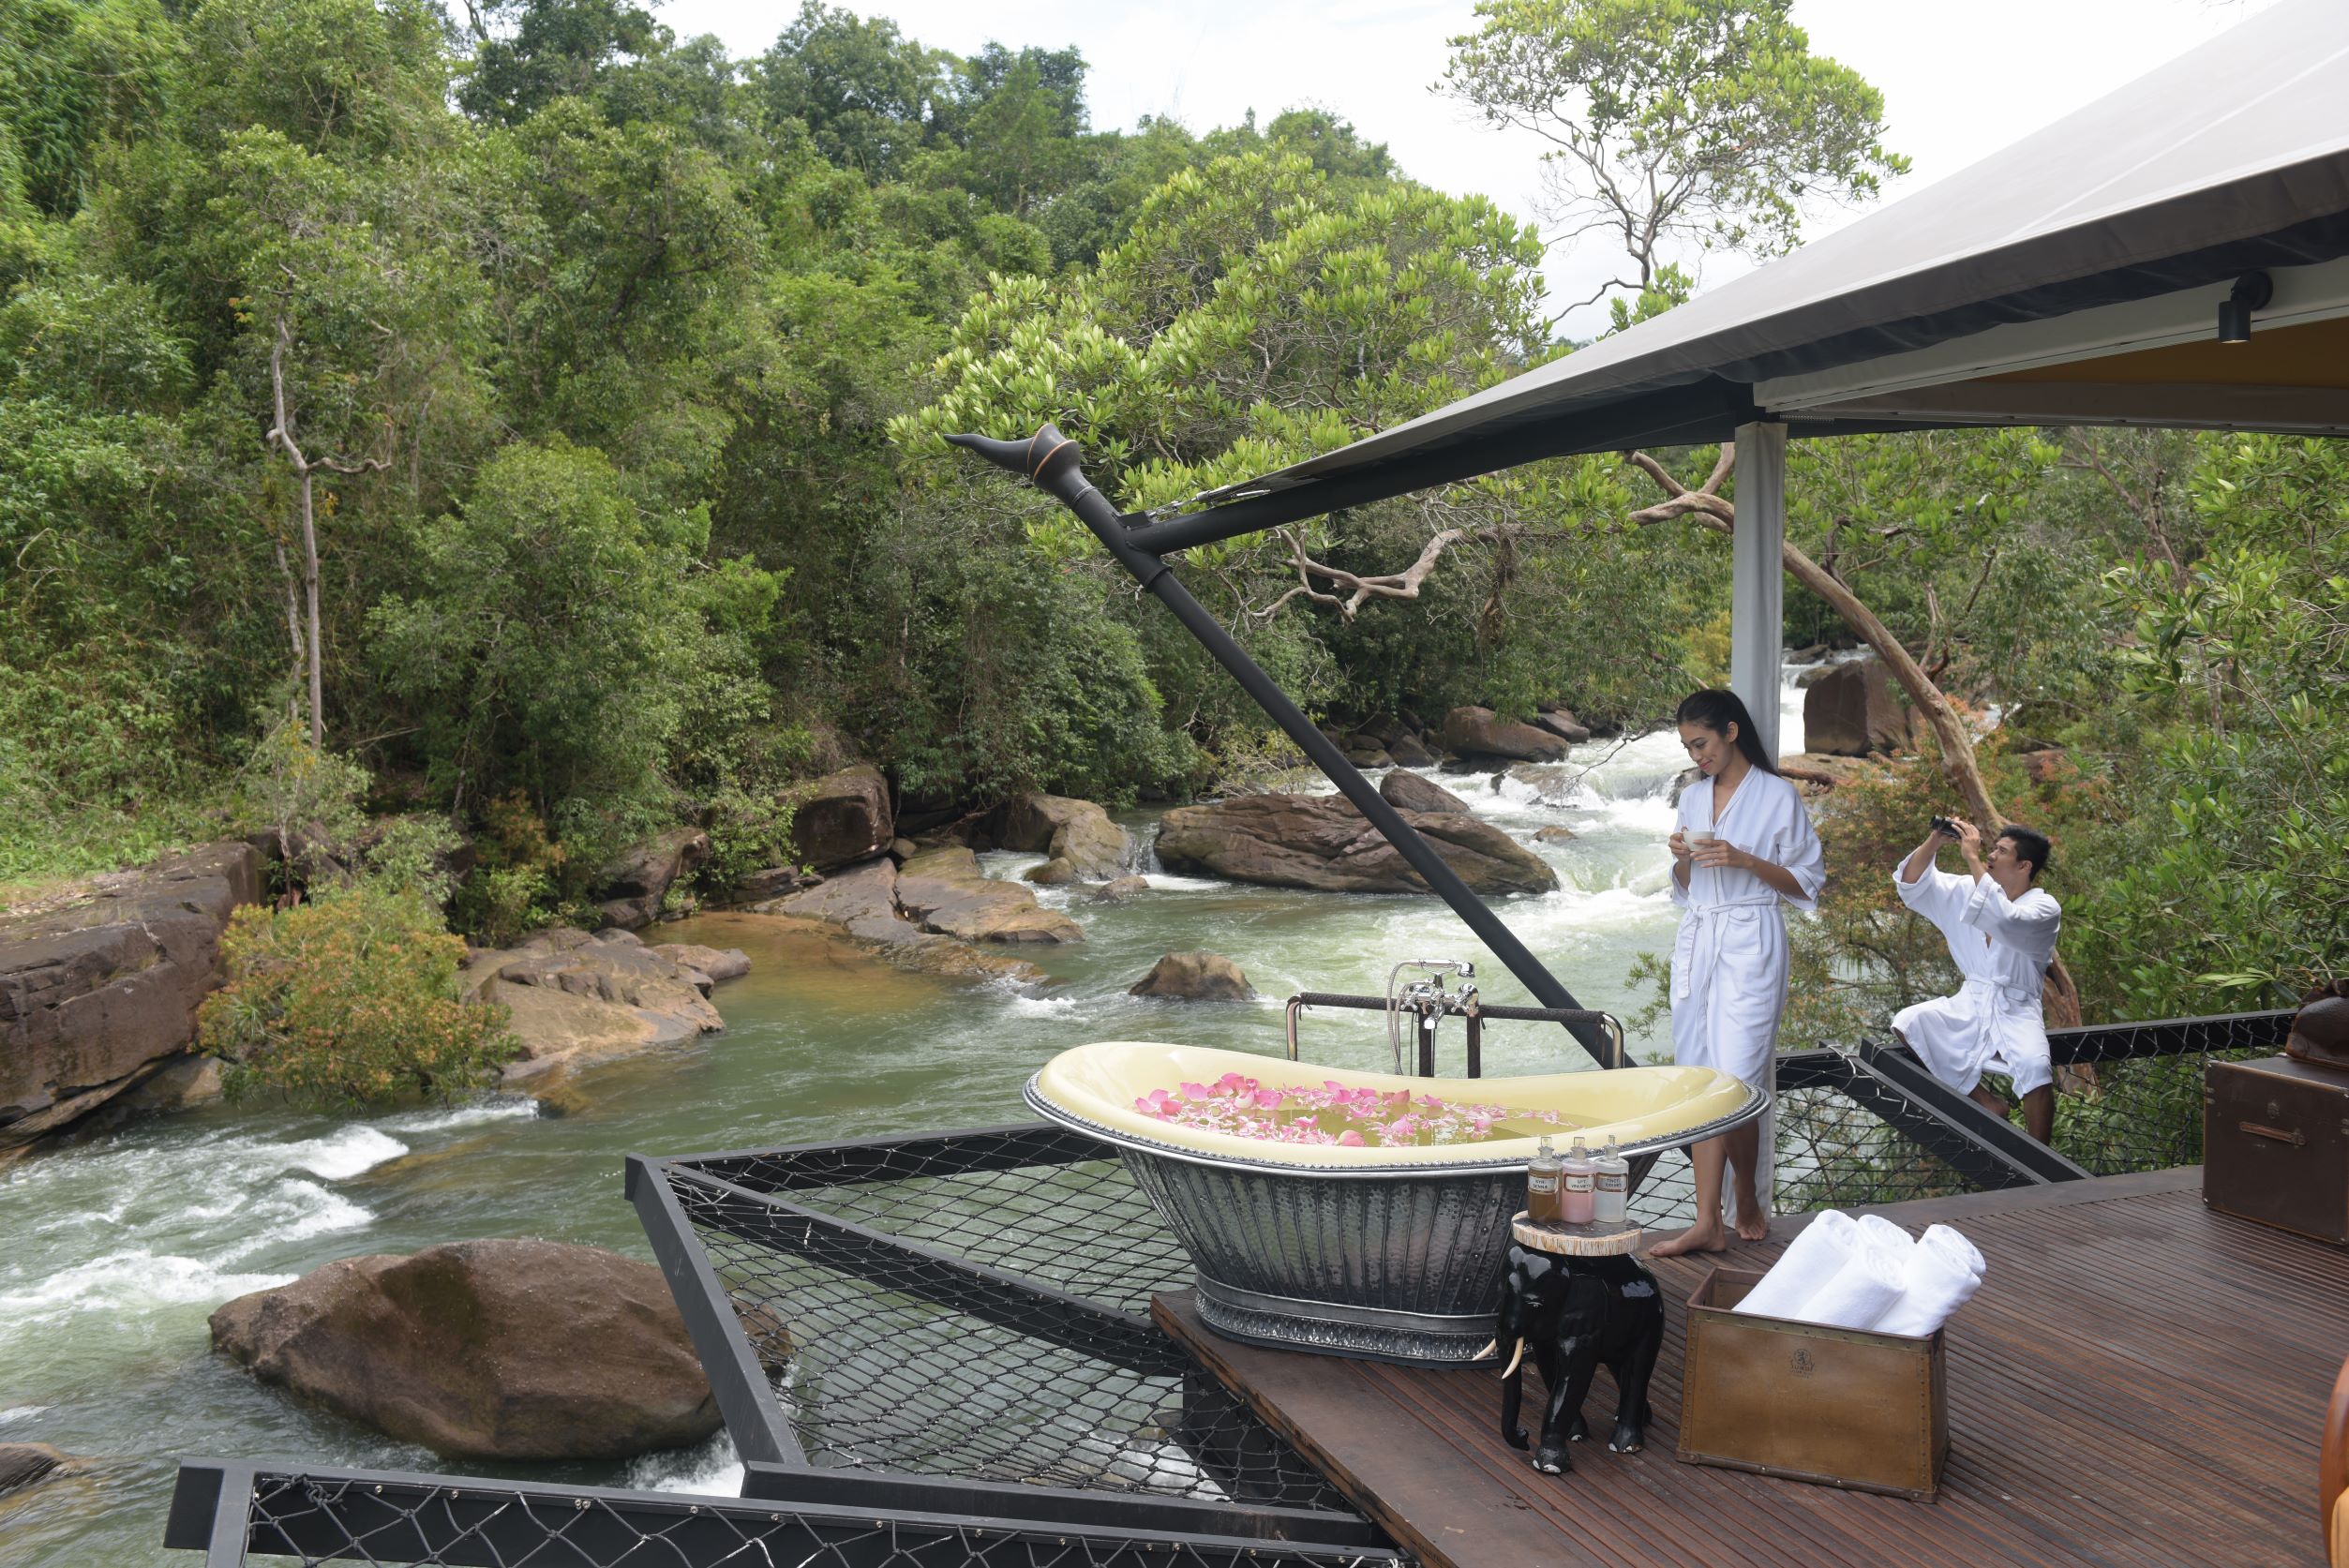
{"x": 1576, "y": 1174}
{"x": 1541, "y": 1185}
{"x": 1611, "y": 1186}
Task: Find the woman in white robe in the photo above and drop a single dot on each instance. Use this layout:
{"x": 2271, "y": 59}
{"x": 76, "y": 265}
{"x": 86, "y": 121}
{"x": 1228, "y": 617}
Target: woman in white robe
{"x": 2001, "y": 928}
{"x": 1729, "y": 958}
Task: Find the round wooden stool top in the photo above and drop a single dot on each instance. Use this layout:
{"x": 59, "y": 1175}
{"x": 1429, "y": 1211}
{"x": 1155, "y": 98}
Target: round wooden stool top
{"x": 1609, "y": 1240}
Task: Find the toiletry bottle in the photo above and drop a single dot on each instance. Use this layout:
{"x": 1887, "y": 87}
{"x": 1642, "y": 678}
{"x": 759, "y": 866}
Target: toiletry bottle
{"x": 1610, "y": 1187}
{"x": 1574, "y": 1174}
{"x": 1541, "y": 1186}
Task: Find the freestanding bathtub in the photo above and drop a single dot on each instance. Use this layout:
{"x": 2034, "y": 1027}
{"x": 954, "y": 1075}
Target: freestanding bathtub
{"x": 1392, "y": 1254}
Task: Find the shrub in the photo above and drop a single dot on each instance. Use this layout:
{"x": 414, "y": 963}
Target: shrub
{"x": 348, "y": 1000}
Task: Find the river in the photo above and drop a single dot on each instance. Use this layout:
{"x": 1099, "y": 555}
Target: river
{"x": 117, "y": 1250}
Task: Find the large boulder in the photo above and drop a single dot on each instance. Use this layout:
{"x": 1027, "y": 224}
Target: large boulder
{"x": 1409, "y": 792}
{"x": 944, "y": 890}
{"x": 1321, "y": 841}
{"x": 1061, "y": 827}
{"x": 577, "y": 999}
{"x": 1481, "y": 732}
{"x": 1563, "y": 724}
{"x": 635, "y": 884}
{"x": 1196, "y": 977}
{"x": 95, "y": 992}
{"x": 1850, "y": 711}
{"x": 1407, "y": 752}
{"x": 862, "y": 903}
{"x": 485, "y": 1349}
{"x": 841, "y": 818}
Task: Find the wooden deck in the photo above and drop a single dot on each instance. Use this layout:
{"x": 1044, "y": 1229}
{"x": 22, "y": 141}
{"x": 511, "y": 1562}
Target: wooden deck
{"x": 2140, "y": 1384}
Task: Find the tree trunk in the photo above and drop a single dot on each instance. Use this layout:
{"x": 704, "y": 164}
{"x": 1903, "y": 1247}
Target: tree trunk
{"x": 310, "y": 584}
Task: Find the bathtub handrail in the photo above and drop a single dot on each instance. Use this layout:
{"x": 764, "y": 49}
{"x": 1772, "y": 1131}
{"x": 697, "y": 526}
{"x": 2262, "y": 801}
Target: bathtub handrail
{"x": 1475, "y": 1012}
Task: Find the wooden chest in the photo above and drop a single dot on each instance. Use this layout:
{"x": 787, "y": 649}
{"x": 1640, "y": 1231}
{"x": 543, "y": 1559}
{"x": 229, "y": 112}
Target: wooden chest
{"x": 1837, "y": 1406}
{"x": 2275, "y": 1146}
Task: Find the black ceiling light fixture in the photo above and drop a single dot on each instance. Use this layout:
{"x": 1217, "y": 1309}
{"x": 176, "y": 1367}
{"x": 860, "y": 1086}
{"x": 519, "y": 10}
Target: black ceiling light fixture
{"x": 2252, "y": 292}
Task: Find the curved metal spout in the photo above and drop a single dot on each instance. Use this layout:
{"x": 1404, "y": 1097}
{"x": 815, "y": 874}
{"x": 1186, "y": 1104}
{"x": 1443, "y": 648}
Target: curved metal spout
{"x": 1051, "y": 461}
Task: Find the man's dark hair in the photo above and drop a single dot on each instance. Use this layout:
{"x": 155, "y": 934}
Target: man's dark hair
{"x": 2029, "y": 844}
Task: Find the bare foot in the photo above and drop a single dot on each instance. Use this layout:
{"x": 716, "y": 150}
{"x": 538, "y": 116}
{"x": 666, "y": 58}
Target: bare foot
{"x": 1753, "y": 1223}
{"x": 1990, "y": 1102}
{"x": 1707, "y": 1237}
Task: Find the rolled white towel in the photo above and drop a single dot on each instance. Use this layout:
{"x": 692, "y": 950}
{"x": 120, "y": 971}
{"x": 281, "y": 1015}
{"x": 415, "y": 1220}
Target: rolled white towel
{"x": 1869, "y": 1284}
{"x": 1886, "y": 1238}
{"x": 1944, "y": 1271}
{"x": 1956, "y": 1245}
{"x": 1810, "y": 1261}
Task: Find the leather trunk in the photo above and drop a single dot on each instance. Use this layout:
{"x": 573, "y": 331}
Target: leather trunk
{"x": 2275, "y": 1141}
{"x": 1840, "y": 1406}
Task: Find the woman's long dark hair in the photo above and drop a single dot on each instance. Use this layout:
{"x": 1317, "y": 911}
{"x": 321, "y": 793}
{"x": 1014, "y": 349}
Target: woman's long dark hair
{"x": 1717, "y": 710}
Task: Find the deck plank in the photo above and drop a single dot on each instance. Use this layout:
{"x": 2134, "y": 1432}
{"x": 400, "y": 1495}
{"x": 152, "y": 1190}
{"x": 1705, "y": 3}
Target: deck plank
{"x": 2140, "y": 1384}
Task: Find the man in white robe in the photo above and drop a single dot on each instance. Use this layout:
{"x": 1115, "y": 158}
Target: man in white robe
{"x": 2001, "y": 930}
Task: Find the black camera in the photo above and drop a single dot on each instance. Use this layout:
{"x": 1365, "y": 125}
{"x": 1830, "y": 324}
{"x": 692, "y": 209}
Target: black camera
{"x": 1943, "y": 825}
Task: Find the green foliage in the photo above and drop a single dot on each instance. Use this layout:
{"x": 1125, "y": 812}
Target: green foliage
{"x": 1703, "y": 123}
{"x": 557, "y": 49}
{"x": 513, "y": 887}
{"x": 2229, "y": 891}
{"x": 349, "y": 1000}
{"x": 864, "y": 92}
{"x": 73, "y": 76}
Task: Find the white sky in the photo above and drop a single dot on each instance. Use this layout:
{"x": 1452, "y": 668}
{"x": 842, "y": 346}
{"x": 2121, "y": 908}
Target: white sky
{"x": 1959, "y": 80}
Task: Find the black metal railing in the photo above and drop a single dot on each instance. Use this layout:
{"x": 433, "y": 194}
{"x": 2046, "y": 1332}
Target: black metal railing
{"x": 236, "y": 1513}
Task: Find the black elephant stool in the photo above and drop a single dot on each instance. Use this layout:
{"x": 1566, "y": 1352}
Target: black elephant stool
{"x": 1577, "y": 1314}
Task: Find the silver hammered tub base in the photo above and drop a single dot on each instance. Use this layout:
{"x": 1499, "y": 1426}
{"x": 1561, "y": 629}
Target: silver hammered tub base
{"x": 1368, "y": 1333}
{"x": 1392, "y": 1270}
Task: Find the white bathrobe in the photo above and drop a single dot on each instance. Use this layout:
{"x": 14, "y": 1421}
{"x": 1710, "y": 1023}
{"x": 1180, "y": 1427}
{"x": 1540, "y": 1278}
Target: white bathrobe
{"x": 2002, "y": 947}
{"x": 1729, "y": 958}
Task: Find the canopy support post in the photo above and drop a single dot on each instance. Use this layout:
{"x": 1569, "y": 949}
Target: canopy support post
{"x": 1049, "y": 460}
{"x": 1757, "y": 594}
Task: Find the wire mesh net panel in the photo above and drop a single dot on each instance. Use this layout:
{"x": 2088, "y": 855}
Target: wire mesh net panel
{"x": 2129, "y": 1096}
{"x": 1831, "y": 1151}
{"x": 353, "y": 1516}
{"x": 885, "y": 1362}
{"x": 1081, "y": 1226}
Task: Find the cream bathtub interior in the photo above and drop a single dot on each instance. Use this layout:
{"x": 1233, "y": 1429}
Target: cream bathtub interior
{"x": 1094, "y": 1087}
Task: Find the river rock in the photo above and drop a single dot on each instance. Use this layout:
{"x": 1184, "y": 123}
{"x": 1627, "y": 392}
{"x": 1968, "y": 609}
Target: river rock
{"x": 1195, "y": 976}
{"x": 945, "y": 891}
{"x": 1408, "y": 752}
{"x": 1060, "y": 826}
{"x": 1053, "y": 873}
{"x": 1409, "y": 792}
{"x": 576, "y": 998}
{"x": 1481, "y": 732}
{"x": 485, "y": 1349}
{"x": 1554, "y": 833}
{"x": 94, "y": 991}
{"x": 179, "y": 1081}
{"x": 1321, "y": 841}
{"x": 21, "y": 1464}
{"x": 705, "y": 967}
{"x": 771, "y": 882}
{"x": 1850, "y": 711}
{"x": 1371, "y": 756}
{"x": 1563, "y": 724}
{"x": 635, "y": 884}
{"x": 1119, "y": 889}
{"x": 863, "y": 903}
{"x": 841, "y": 818}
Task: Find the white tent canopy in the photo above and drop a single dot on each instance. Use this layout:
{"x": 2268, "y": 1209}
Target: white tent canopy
{"x": 2073, "y": 277}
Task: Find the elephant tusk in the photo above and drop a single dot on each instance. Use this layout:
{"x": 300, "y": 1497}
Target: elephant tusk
{"x": 1492, "y": 1347}
{"x": 1515, "y": 1359}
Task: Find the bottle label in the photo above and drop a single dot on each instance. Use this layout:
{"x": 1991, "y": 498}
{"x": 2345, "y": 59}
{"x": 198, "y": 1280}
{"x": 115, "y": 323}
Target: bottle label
{"x": 1611, "y": 1181}
{"x": 1577, "y": 1180}
{"x": 1541, "y": 1182}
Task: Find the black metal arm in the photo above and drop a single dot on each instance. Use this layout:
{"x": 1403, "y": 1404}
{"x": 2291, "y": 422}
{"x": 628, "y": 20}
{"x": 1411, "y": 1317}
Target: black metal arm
{"x": 1050, "y": 460}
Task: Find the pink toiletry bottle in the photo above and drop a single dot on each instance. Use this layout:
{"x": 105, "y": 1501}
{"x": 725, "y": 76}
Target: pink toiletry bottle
{"x": 1576, "y": 1176}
